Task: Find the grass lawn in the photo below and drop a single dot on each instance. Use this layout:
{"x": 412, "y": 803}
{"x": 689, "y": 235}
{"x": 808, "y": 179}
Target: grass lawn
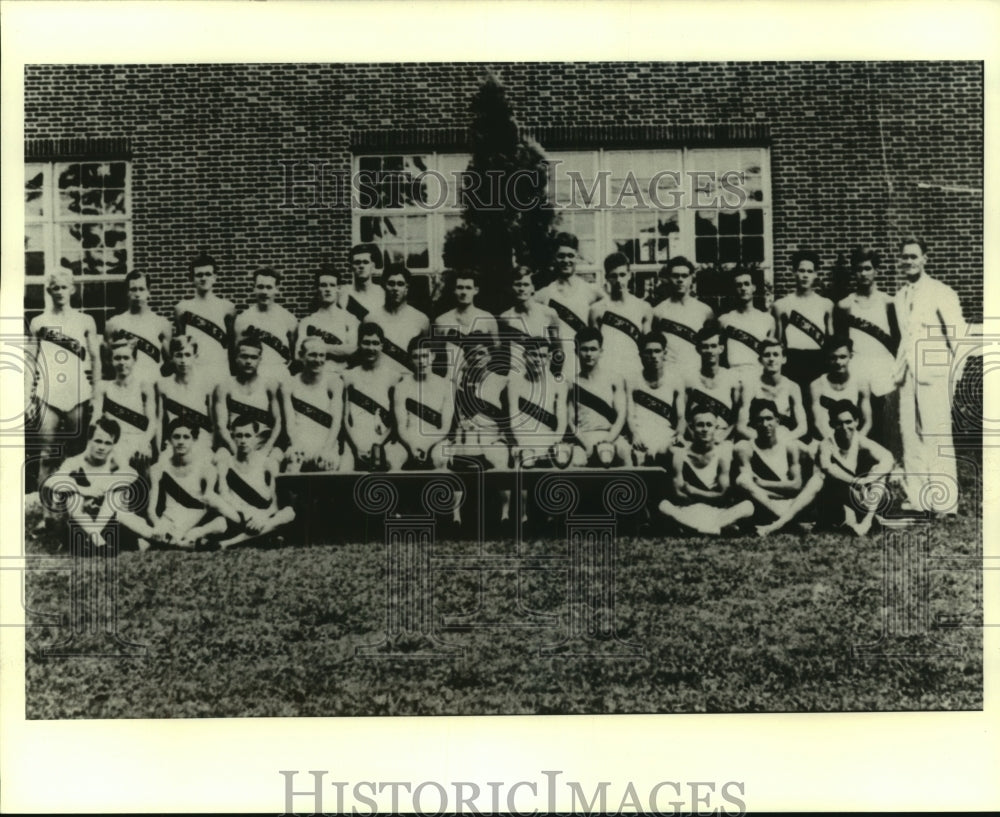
{"x": 723, "y": 625}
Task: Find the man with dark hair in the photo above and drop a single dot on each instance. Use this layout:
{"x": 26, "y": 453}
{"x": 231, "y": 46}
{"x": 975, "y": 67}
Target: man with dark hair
{"x": 621, "y": 317}
{"x": 527, "y": 318}
{"x": 712, "y": 386}
{"x": 868, "y": 317}
{"x": 248, "y": 393}
{"x": 702, "y": 498}
{"x": 745, "y": 327}
{"x": 368, "y": 422}
{"x": 465, "y": 318}
{"x": 364, "y": 295}
{"x": 423, "y": 407}
{"x": 130, "y": 401}
{"x": 139, "y": 323}
{"x": 839, "y": 383}
{"x": 399, "y": 321}
{"x": 569, "y": 296}
{"x": 206, "y": 318}
{"x": 772, "y": 385}
{"x": 656, "y": 404}
{"x": 481, "y": 405}
{"x": 336, "y": 327}
{"x": 930, "y": 321}
{"x": 804, "y": 321}
{"x": 680, "y": 316}
{"x": 270, "y": 323}
{"x": 597, "y": 406}
{"x": 537, "y": 403}
{"x": 313, "y": 404}
{"x": 187, "y": 393}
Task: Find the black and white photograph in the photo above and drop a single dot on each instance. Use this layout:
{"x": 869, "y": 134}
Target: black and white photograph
{"x": 586, "y": 387}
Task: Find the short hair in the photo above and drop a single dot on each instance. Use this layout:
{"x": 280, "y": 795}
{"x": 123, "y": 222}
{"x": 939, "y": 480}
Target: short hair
{"x": 566, "y": 240}
{"x": 537, "y": 342}
{"x": 841, "y": 406}
{"x": 108, "y": 425}
{"x": 202, "y": 260}
{"x": 369, "y": 328}
{"x": 739, "y": 272}
{"x": 694, "y": 409}
{"x": 466, "y": 274}
{"x": 182, "y": 422}
{"x": 60, "y": 274}
{"x": 522, "y": 271}
{"x": 861, "y": 254}
{"x": 709, "y": 330}
{"x": 652, "y": 337}
{"x": 759, "y": 404}
{"x": 121, "y": 338}
{"x": 179, "y": 343}
{"x": 588, "y": 333}
{"x": 367, "y": 248}
{"x": 241, "y": 420}
{"x": 269, "y": 273}
{"x": 673, "y": 263}
{"x": 310, "y": 339}
{"x": 914, "y": 239}
{"x": 835, "y": 342}
{"x": 615, "y": 260}
{"x": 135, "y": 275}
{"x": 768, "y": 343}
{"x": 422, "y": 340}
{"x": 250, "y": 339}
{"x": 396, "y": 269}
{"x": 805, "y": 255}
{"x": 324, "y": 271}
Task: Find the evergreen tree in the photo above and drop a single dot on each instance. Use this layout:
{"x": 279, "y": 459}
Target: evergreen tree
{"x": 506, "y": 216}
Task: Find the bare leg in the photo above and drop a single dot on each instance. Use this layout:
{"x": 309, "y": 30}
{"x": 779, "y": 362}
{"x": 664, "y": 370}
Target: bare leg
{"x": 278, "y": 519}
{"x": 797, "y": 505}
{"x": 698, "y": 516}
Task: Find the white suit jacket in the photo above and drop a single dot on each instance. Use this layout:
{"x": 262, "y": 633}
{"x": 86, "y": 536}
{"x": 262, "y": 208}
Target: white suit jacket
{"x": 930, "y": 322}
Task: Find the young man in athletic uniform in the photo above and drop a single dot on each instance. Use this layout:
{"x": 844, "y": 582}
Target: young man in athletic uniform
{"x": 336, "y": 327}
{"x": 363, "y": 295}
{"x": 537, "y": 403}
{"x": 745, "y": 327}
{"x": 702, "y": 497}
{"x": 868, "y": 317}
{"x": 150, "y": 331}
{"x": 464, "y": 319}
{"x": 247, "y": 485}
{"x": 839, "y": 383}
{"x": 313, "y": 403}
{"x": 597, "y": 406}
{"x": 774, "y": 386}
{"x": 680, "y": 316}
{"x": 187, "y": 393}
{"x": 804, "y": 320}
{"x": 711, "y": 385}
{"x": 131, "y": 402}
{"x": 93, "y": 487}
{"x": 481, "y": 405}
{"x": 66, "y": 350}
{"x": 184, "y": 507}
{"x": 423, "y": 407}
{"x": 570, "y": 297}
{"x": 621, "y": 317}
{"x": 770, "y": 465}
{"x": 269, "y": 322}
{"x": 848, "y": 485}
{"x": 206, "y": 318}
{"x": 656, "y": 404}
{"x": 248, "y": 393}
{"x": 527, "y": 318}
{"x": 368, "y": 421}
{"x": 399, "y": 321}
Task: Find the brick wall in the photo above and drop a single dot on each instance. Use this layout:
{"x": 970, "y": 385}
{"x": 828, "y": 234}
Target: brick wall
{"x": 860, "y": 152}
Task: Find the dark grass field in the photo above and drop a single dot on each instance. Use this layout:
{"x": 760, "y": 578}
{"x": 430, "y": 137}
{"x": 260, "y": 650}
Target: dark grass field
{"x": 781, "y": 624}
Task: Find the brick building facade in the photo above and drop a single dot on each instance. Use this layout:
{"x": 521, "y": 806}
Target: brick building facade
{"x": 855, "y": 152}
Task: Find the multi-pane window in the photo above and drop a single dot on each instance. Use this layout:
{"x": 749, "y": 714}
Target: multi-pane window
{"x": 77, "y": 217}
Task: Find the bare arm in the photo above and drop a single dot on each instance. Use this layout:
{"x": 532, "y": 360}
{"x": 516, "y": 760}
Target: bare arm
{"x": 220, "y": 410}
{"x": 621, "y": 413}
{"x": 274, "y": 406}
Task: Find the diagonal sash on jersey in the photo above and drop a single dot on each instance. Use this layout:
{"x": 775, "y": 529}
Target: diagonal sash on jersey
{"x": 425, "y": 413}
{"x": 585, "y": 397}
{"x": 171, "y": 406}
{"x": 142, "y": 344}
{"x": 876, "y": 332}
{"x": 691, "y": 477}
{"x": 356, "y": 308}
{"x": 71, "y": 345}
{"x": 474, "y": 387}
{"x": 246, "y": 491}
{"x": 537, "y": 412}
{"x": 678, "y": 330}
{"x": 762, "y": 469}
{"x": 272, "y": 340}
{"x": 368, "y": 404}
{"x": 397, "y": 353}
{"x": 314, "y": 413}
{"x": 179, "y": 493}
{"x": 623, "y": 325}
{"x": 237, "y": 408}
{"x": 567, "y": 315}
{"x": 724, "y": 412}
{"x": 654, "y": 404}
{"x": 200, "y": 322}
{"x": 125, "y": 414}
{"x": 744, "y": 337}
{"x": 807, "y": 327}
{"x": 327, "y": 337}
{"x": 827, "y": 402}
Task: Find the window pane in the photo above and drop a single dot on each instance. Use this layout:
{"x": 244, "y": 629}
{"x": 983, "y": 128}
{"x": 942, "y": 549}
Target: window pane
{"x": 90, "y": 175}
{"x": 73, "y": 261}
{"x": 93, "y": 263}
{"x": 753, "y": 250}
{"x": 69, "y": 236}
{"x": 69, "y": 202}
{"x": 706, "y": 250}
{"x": 93, "y": 236}
{"x": 115, "y": 235}
{"x": 729, "y": 250}
{"x": 34, "y": 249}
{"x": 729, "y": 223}
{"x": 575, "y": 176}
{"x": 115, "y": 175}
{"x": 114, "y": 201}
{"x": 704, "y": 222}
{"x": 34, "y": 182}
{"x": 753, "y": 222}
{"x": 69, "y": 176}
{"x": 90, "y": 203}
{"x": 34, "y": 296}
{"x": 117, "y": 262}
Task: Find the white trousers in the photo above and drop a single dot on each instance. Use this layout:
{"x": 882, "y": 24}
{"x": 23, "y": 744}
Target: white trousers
{"x": 930, "y": 477}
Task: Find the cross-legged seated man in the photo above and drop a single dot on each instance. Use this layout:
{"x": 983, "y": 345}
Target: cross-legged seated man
{"x": 703, "y": 500}
{"x": 247, "y": 484}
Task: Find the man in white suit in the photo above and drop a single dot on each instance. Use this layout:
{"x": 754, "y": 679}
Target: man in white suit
{"x": 931, "y": 321}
